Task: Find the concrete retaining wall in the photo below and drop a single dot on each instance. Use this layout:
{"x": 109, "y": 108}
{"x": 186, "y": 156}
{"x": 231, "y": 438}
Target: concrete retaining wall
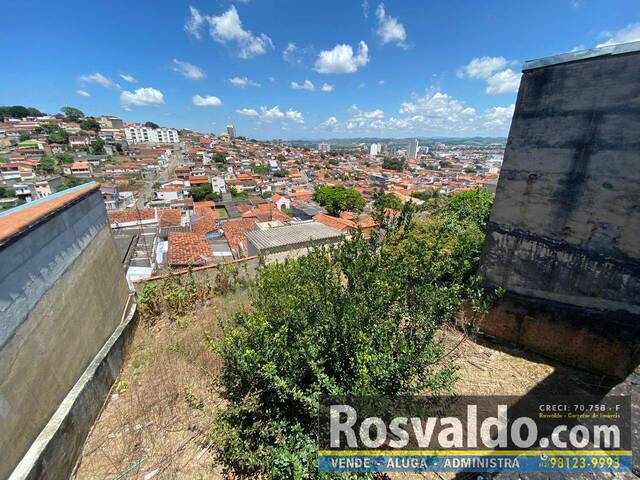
{"x": 565, "y": 222}
{"x": 62, "y": 295}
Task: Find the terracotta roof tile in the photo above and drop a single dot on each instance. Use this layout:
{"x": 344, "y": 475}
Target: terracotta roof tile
{"x": 186, "y": 248}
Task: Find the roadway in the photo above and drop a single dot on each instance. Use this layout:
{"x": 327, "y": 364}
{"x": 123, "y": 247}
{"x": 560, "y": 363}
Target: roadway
{"x": 146, "y": 192}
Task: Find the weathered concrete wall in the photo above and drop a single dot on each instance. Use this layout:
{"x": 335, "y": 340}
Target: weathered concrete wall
{"x": 565, "y": 224}
{"x": 62, "y": 295}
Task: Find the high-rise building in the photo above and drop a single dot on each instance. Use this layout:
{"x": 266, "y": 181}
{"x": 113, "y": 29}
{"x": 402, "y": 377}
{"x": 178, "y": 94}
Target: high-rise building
{"x": 231, "y": 130}
{"x": 375, "y": 149}
{"x": 324, "y": 147}
{"x": 412, "y": 149}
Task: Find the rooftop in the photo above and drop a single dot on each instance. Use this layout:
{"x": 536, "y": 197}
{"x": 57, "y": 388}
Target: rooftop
{"x": 288, "y": 235}
{"x": 187, "y": 248}
{"x": 582, "y": 55}
{"x": 19, "y": 219}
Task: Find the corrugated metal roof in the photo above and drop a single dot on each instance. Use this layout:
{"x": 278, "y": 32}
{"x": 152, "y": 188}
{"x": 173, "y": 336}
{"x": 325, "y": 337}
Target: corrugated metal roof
{"x": 582, "y": 55}
{"x": 288, "y": 235}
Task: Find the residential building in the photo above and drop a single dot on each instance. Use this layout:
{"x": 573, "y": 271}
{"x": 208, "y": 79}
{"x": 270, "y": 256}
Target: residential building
{"x": 135, "y": 133}
{"x": 324, "y": 147}
{"x": 231, "y": 131}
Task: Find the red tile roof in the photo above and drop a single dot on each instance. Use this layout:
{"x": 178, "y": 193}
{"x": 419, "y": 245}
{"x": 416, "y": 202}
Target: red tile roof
{"x": 132, "y": 215}
{"x": 186, "y": 248}
{"x": 340, "y": 224}
{"x": 235, "y": 232}
{"x": 169, "y": 217}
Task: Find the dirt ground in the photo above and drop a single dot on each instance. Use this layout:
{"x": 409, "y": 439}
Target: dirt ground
{"x": 156, "y": 422}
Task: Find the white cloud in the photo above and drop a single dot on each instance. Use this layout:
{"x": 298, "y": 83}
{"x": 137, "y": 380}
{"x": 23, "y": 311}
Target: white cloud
{"x": 498, "y": 117}
{"x": 432, "y": 113}
{"x": 83, "y": 93}
{"x": 630, "y": 33}
{"x": 188, "y": 70}
{"x": 482, "y": 67}
{"x": 243, "y": 82}
{"x": 269, "y": 114}
{"x": 195, "y": 22}
{"x": 361, "y": 85}
{"x": 208, "y": 101}
{"x": 306, "y": 85}
{"x": 295, "y": 116}
{"x": 365, "y": 9}
{"x": 342, "y": 59}
{"x": 505, "y": 81}
{"x": 247, "y": 112}
{"x": 290, "y": 54}
{"x": 326, "y": 87}
{"x": 389, "y": 29}
{"x": 142, "y": 97}
{"x": 128, "y": 78}
{"x": 492, "y": 70}
{"x": 381, "y": 82}
{"x": 227, "y": 28}
{"x": 99, "y": 79}
{"x": 329, "y": 123}
{"x": 360, "y": 119}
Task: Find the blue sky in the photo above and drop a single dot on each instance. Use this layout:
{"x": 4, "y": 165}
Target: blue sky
{"x": 295, "y": 69}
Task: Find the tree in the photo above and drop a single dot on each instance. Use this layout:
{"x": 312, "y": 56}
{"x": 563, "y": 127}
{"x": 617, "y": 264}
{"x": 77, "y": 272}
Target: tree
{"x": 151, "y": 125}
{"x": 393, "y": 164}
{"x": 338, "y": 199}
{"x": 24, "y": 136}
{"x": 259, "y": 169}
{"x": 18, "y": 111}
{"x": 73, "y": 114}
{"x": 6, "y": 192}
{"x": 97, "y": 147}
{"x": 202, "y": 193}
{"x": 71, "y": 182}
{"x": 55, "y": 133}
{"x": 383, "y": 201}
{"x": 48, "y": 165}
{"x": 219, "y": 158}
{"x": 90, "y": 124}
{"x": 359, "y": 319}
{"x": 64, "y": 158}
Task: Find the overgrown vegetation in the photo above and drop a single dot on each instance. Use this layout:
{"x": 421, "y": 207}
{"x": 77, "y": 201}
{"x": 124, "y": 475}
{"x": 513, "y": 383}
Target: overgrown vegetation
{"x": 361, "y": 318}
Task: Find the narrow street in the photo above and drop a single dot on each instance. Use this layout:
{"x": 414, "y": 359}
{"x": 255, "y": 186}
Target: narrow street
{"x": 146, "y": 193}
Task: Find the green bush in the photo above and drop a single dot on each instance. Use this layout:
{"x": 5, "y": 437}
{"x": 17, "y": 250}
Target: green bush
{"x": 361, "y": 318}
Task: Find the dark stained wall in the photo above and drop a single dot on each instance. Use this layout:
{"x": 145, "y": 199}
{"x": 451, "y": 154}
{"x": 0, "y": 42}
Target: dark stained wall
{"x": 565, "y": 226}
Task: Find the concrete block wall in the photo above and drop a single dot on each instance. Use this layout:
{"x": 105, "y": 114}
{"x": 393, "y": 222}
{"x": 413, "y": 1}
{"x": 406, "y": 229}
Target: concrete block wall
{"x": 62, "y": 295}
{"x": 565, "y": 224}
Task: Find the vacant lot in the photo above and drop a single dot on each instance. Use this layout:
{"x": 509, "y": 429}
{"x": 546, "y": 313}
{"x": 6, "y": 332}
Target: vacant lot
{"x": 157, "y": 420}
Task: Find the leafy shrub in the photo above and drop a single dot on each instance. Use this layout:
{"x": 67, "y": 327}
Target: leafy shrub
{"x": 361, "y": 318}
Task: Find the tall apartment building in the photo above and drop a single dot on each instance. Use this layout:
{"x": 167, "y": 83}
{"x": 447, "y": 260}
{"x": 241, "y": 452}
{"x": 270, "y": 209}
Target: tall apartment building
{"x": 231, "y": 131}
{"x": 412, "y": 149}
{"x": 375, "y": 149}
{"x": 142, "y": 134}
{"x": 324, "y": 147}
